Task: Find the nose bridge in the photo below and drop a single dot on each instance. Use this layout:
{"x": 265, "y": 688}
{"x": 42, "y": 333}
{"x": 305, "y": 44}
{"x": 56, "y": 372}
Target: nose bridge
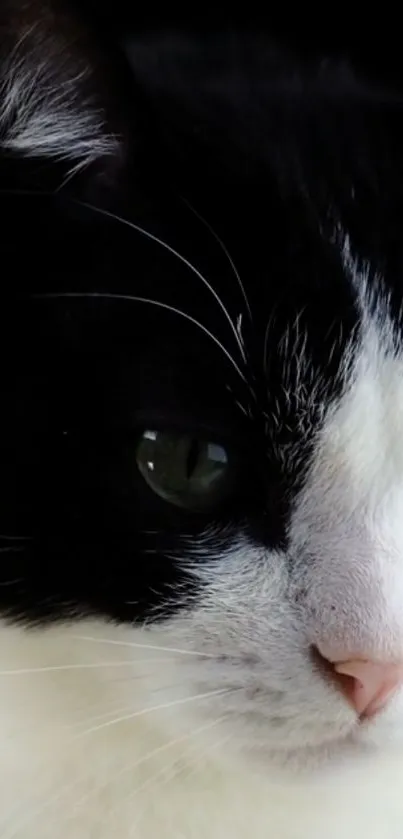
{"x": 347, "y": 525}
{"x": 352, "y": 588}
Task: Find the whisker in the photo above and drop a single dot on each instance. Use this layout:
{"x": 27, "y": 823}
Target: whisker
{"x": 38, "y": 811}
{"x": 162, "y": 773}
{"x": 206, "y": 752}
{"x": 158, "y": 241}
{"x": 156, "y": 647}
{"x": 30, "y": 670}
{"x": 98, "y": 717}
{"x": 88, "y": 720}
{"x": 161, "y": 707}
{"x": 149, "y": 301}
{"x": 130, "y": 767}
{"x": 245, "y": 409}
{"x": 225, "y": 251}
{"x": 188, "y": 771}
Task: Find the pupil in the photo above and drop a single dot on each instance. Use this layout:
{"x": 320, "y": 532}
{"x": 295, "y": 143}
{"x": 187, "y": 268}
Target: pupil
{"x": 192, "y": 458}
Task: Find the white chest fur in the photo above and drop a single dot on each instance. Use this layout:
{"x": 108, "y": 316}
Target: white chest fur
{"x": 69, "y": 770}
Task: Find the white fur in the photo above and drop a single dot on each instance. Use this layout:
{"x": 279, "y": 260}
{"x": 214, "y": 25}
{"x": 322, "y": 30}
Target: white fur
{"x": 132, "y": 779}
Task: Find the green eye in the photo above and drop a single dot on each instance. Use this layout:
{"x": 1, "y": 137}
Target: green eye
{"x": 184, "y": 470}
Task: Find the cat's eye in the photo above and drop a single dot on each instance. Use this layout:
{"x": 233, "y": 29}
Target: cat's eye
{"x": 183, "y": 469}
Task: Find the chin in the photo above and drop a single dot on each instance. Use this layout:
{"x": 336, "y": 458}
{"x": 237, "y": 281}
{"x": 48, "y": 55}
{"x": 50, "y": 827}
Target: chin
{"x": 300, "y": 753}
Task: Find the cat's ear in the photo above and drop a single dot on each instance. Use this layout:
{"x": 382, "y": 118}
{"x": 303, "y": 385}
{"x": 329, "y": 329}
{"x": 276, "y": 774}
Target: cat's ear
{"x": 64, "y": 112}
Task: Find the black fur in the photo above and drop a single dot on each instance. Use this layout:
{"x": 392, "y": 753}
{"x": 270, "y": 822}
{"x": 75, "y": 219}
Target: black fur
{"x": 277, "y": 148}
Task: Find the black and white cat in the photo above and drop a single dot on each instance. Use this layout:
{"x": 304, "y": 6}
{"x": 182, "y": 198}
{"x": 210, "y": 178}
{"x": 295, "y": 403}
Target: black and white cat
{"x": 201, "y": 483}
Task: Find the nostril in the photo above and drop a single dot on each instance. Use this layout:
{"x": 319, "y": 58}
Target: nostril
{"x": 367, "y": 685}
{"x": 341, "y": 681}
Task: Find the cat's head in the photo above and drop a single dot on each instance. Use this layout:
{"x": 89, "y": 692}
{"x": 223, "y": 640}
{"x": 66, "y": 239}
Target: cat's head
{"x": 202, "y": 378}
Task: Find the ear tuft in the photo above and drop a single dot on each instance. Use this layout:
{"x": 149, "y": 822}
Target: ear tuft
{"x": 51, "y": 104}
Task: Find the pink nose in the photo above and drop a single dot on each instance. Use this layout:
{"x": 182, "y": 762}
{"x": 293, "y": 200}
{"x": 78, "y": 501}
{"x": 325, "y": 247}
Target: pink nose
{"x": 369, "y": 684}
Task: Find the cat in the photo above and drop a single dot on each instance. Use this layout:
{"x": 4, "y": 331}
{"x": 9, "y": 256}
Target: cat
{"x": 201, "y": 485}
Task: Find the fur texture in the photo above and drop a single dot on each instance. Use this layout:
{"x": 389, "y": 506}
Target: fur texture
{"x": 205, "y": 240}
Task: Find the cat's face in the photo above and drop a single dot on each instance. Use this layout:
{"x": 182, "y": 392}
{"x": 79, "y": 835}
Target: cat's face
{"x": 203, "y": 404}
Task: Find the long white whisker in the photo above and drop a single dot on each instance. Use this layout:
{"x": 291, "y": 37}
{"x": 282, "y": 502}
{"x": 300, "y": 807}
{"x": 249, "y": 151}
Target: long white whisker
{"x": 224, "y": 249}
{"x": 38, "y": 811}
{"x": 153, "y": 753}
{"x": 179, "y": 256}
{"x": 23, "y": 671}
{"x": 98, "y": 717}
{"x": 196, "y": 766}
{"x": 145, "y": 711}
{"x": 148, "y": 300}
{"x": 137, "y": 646}
{"x": 162, "y": 772}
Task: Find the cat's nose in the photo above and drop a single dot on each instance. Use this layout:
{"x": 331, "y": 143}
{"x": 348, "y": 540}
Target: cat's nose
{"x": 368, "y": 685}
